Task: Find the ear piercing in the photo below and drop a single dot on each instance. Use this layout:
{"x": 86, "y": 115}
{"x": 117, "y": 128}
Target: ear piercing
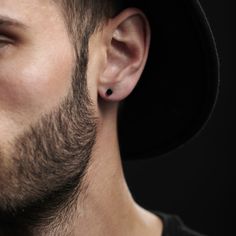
{"x": 109, "y": 92}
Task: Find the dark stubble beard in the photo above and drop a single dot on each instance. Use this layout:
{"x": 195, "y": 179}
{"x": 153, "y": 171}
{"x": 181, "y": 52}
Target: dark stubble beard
{"x": 49, "y": 160}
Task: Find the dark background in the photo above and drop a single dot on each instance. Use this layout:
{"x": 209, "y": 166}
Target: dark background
{"x": 197, "y": 182}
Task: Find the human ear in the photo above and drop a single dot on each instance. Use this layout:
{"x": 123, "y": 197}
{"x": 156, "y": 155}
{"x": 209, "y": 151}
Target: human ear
{"x": 126, "y": 54}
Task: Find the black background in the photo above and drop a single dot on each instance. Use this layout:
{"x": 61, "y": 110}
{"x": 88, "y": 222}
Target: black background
{"x": 197, "y": 182}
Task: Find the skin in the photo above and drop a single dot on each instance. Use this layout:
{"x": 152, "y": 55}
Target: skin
{"x": 39, "y": 158}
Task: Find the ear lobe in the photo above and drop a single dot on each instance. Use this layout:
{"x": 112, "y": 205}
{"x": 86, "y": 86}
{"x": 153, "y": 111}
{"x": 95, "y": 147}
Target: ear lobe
{"x": 126, "y": 54}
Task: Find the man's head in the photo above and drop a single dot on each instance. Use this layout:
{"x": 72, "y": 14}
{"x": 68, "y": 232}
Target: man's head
{"x": 55, "y": 68}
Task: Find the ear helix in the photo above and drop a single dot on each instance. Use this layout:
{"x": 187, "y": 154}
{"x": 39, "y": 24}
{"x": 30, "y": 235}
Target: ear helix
{"x": 109, "y": 92}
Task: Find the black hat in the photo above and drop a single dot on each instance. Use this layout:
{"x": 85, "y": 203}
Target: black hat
{"x": 178, "y": 89}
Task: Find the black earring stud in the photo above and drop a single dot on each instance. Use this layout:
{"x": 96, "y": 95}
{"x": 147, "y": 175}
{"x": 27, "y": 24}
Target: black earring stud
{"x": 109, "y": 92}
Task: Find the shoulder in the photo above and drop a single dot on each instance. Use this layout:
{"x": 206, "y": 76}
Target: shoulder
{"x": 174, "y": 226}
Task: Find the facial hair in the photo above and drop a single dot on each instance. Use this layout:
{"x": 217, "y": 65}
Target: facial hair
{"x": 49, "y": 160}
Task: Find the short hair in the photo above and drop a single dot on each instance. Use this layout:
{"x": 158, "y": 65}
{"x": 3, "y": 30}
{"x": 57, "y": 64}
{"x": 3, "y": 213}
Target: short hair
{"x": 84, "y": 17}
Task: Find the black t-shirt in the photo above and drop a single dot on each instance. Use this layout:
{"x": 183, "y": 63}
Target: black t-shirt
{"x": 174, "y": 226}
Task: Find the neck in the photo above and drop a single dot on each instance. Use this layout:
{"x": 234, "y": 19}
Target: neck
{"x": 103, "y": 206}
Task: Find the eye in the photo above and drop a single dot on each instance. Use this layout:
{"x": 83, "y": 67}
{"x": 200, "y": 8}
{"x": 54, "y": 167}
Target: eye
{"x": 5, "y": 40}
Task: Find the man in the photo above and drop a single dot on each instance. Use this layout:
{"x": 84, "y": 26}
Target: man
{"x": 65, "y": 68}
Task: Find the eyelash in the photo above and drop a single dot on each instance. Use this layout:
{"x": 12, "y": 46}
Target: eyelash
{"x": 6, "y": 41}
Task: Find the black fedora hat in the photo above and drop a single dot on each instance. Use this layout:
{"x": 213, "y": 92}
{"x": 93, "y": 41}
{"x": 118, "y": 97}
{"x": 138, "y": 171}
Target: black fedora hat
{"x": 178, "y": 89}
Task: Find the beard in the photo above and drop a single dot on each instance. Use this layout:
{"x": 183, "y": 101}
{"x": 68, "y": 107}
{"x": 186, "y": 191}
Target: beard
{"x": 48, "y": 162}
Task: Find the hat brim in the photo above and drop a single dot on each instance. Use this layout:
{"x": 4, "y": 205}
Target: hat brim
{"x": 178, "y": 89}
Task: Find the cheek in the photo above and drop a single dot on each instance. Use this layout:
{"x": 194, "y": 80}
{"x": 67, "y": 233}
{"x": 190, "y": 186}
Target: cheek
{"x": 35, "y": 81}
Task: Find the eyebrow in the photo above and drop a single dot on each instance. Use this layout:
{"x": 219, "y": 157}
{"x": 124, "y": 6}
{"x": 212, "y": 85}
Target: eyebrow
{"x": 8, "y": 21}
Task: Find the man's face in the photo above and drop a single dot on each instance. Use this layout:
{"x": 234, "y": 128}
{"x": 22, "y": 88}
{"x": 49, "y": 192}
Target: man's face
{"x": 45, "y": 136}
{"x": 35, "y": 69}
